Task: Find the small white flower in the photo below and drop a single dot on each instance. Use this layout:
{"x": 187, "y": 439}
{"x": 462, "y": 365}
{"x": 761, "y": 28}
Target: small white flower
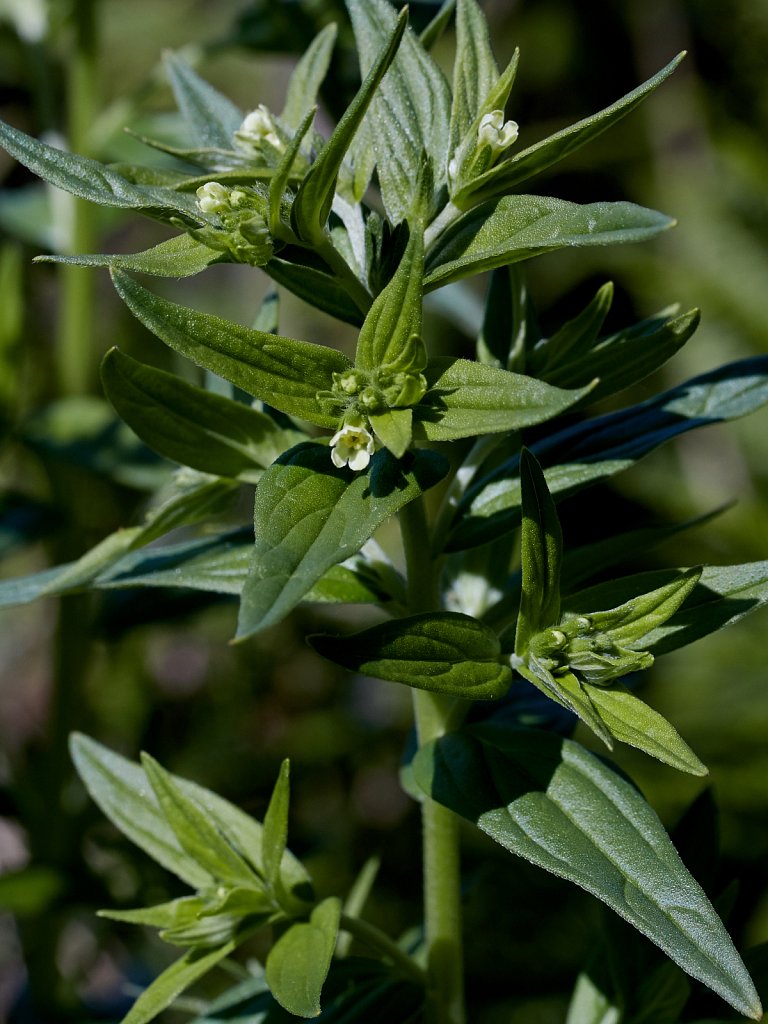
{"x": 353, "y": 446}
{"x": 258, "y": 127}
{"x": 495, "y": 132}
{"x": 213, "y": 197}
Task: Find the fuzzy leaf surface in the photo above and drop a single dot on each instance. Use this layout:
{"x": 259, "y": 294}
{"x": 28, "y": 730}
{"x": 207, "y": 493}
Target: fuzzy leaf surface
{"x": 445, "y": 652}
{"x": 174, "y": 980}
{"x": 308, "y": 76}
{"x": 549, "y": 800}
{"x": 309, "y": 516}
{"x": 190, "y": 425}
{"x": 180, "y": 256}
{"x": 283, "y": 372}
{"x": 602, "y": 446}
{"x": 298, "y": 963}
{"x": 465, "y": 398}
{"x": 210, "y": 116}
{"x": 515, "y": 228}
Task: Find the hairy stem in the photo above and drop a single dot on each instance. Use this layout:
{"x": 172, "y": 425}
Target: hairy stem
{"x": 442, "y": 879}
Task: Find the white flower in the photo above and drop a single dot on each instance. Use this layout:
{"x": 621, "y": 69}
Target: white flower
{"x": 353, "y": 446}
{"x": 258, "y": 127}
{"x": 213, "y": 197}
{"x": 495, "y": 132}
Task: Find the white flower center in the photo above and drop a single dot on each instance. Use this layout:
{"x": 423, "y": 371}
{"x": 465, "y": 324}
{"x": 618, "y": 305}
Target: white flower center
{"x": 495, "y": 132}
{"x": 352, "y": 446}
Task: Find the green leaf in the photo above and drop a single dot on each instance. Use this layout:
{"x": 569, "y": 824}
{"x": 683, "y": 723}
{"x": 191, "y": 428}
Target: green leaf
{"x": 180, "y": 256}
{"x": 507, "y": 330}
{"x": 211, "y": 117}
{"x": 541, "y": 554}
{"x": 533, "y": 160}
{"x": 549, "y": 800}
{"x": 625, "y": 358}
{"x": 723, "y": 595}
{"x": 390, "y": 336}
{"x": 298, "y": 963}
{"x": 190, "y": 425}
{"x": 437, "y": 26}
{"x": 313, "y": 201}
{"x": 474, "y": 69}
{"x": 516, "y": 228}
{"x": 309, "y": 516}
{"x": 410, "y": 113}
{"x": 315, "y": 287}
{"x": 631, "y": 721}
{"x": 307, "y": 77}
{"x": 285, "y": 373}
{"x": 275, "y": 835}
{"x": 589, "y": 1005}
{"x": 444, "y": 652}
{"x": 174, "y": 980}
{"x": 465, "y": 398}
{"x": 279, "y": 182}
{"x": 394, "y": 428}
{"x": 599, "y": 447}
{"x": 565, "y": 688}
{"x": 575, "y": 338}
{"x": 197, "y": 836}
{"x": 122, "y": 791}
{"x": 91, "y": 180}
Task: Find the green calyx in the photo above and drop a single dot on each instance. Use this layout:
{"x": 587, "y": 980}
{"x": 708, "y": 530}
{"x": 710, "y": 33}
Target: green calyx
{"x": 236, "y": 223}
{"x": 577, "y": 645}
{"x": 374, "y": 392}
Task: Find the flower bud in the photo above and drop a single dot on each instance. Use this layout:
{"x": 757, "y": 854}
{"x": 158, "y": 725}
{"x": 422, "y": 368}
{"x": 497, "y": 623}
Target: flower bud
{"x": 495, "y": 132}
{"x": 257, "y": 128}
{"x": 213, "y": 197}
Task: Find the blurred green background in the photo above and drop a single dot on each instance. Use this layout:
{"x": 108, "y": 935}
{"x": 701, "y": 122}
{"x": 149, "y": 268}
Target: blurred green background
{"x": 154, "y": 670}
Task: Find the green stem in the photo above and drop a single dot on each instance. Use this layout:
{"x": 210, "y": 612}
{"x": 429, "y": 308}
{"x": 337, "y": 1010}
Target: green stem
{"x": 376, "y": 939}
{"x": 442, "y": 877}
{"x": 75, "y": 342}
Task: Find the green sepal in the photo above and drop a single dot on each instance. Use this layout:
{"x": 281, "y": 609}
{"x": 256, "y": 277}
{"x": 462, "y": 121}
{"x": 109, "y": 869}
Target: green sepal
{"x": 162, "y": 915}
{"x": 190, "y": 425}
{"x": 285, "y": 373}
{"x": 211, "y": 117}
{"x": 180, "y": 256}
{"x": 312, "y": 204}
{"x": 197, "y": 836}
{"x": 309, "y": 516}
{"x": 394, "y": 428}
{"x": 631, "y": 721}
{"x": 409, "y": 115}
{"x": 298, "y": 963}
{"x": 308, "y": 76}
{"x": 524, "y": 165}
{"x": 466, "y": 398}
{"x": 390, "y": 336}
{"x": 541, "y": 553}
{"x": 444, "y": 652}
{"x": 518, "y": 227}
{"x": 549, "y": 800}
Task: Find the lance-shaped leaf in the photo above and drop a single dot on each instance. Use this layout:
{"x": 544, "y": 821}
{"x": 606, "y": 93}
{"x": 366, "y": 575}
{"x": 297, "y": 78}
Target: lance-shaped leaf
{"x": 723, "y": 594}
{"x": 281, "y": 371}
{"x": 389, "y": 338}
{"x": 549, "y": 800}
{"x": 464, "y": 399}
{"x": 474, "y": 69}
{"x": 410, "y": 113}
{"x": 181, "y": 256}
{"x": 211, "y": 117}
{"x": 313, "y": 201}
{"x": 309, "y": 516}
{"x": 602, "y": 446}
{"x": 624, "y": 358}
{"x": 575, "y": 338}
{"x": 541, "y": 555}
{"x": 508, "y": 328}
{"x": 315, "y": 286}
{"x": 515, "y": 228}
{"x": 531, "y": 161}
{"x": 174, "y": 980}
{"x": 91, "y": 180}
{"x": 298, "y": 963}
{"x": 192, "y": 426}
{"x": 566, "y": 689}
{"x": 631, "y": 721}
{"x": 307, "y": 77}
{"x": 280, "y": 178}
{"x": 275, "y": 835}
{"x": 444, "y": 652}
{"x": 123, "y": 792}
